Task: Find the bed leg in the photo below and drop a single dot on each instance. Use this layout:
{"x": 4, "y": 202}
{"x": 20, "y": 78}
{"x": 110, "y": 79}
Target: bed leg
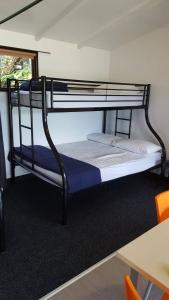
{"x": 2, "y": 223}
{"x": 12, "y": 172}
{"x": 162, "y": 173}
{"x": 64, "y": 207}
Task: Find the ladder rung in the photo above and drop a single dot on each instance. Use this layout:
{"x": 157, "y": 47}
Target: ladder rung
{"x": 123, "y": 119}
{"x": 122, "y": 132}
{"x": 24, "y": 126}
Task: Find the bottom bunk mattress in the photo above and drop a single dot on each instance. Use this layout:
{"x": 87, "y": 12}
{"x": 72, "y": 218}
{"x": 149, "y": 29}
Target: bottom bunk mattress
{"x": 88, "y": 163}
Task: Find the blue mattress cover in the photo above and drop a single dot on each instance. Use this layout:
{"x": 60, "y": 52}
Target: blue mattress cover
{"x": 37, "y": 86}
{"x": 80, "y": 175}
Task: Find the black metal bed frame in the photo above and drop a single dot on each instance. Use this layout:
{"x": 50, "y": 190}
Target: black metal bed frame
{"x": 3, "y": 184}
{"x": 85, "y": 89}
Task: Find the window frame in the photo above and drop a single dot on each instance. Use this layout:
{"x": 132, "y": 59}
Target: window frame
{"x": 35, "y": 62}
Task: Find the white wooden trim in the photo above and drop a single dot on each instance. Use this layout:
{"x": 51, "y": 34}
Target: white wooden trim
{"x": 68, "y": 9}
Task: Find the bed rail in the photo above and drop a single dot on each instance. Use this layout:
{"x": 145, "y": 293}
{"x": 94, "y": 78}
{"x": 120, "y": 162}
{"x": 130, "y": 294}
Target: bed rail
{"x": 79, "y": 95}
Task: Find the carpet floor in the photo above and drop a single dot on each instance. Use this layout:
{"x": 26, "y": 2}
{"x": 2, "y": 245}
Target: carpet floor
{"x": 41, "y": 254}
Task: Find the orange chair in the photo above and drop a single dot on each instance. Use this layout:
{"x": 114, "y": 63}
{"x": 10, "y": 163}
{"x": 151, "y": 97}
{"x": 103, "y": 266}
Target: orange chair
{"x": 131, "y": 292}
{"x": 162, "y": 209}
{"x": 162, "y": 206}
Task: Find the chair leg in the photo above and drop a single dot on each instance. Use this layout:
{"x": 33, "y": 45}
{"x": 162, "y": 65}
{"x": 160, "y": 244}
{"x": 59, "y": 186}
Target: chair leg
{"x": 134, "y": 277}
{"x": 2, "y": 223}
{"x": 148, "y": 290}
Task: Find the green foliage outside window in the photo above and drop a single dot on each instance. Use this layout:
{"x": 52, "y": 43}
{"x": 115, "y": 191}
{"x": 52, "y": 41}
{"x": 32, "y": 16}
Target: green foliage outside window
{"x": 14, "y": 68}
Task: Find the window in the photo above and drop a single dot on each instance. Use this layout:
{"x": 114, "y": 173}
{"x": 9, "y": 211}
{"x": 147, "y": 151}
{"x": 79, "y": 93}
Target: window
{"x": 18, "y": 64}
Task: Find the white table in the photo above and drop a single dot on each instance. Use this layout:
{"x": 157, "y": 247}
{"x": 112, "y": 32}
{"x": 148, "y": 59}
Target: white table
{"x": 149, "y": 255}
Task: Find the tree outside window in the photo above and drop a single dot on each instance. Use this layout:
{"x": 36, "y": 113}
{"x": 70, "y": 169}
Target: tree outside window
{"x": 17, "y": 65}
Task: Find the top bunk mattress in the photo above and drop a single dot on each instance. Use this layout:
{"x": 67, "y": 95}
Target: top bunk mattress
{"x": 79, "y": 100}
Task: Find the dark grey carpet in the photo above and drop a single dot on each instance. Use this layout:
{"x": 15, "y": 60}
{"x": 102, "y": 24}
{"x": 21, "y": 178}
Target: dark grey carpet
{"x": 42, "y": 254}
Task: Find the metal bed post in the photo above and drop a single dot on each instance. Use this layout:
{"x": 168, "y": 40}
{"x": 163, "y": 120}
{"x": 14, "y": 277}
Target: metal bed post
{"x": 116, "y": 118}
{"x": 2, "y": 221}
{"x": 130, "y": 120}
{"x": 104, "y": 124}
{"x": 64, "y": 188}
{"x": 20, "y": 121}
{"x": 31, "y": 128}
{"x": 163, "y": 155}
{"x": 104, "y": 121}
{"x": 11, "y": 138}
{"x": 3, "y": 184}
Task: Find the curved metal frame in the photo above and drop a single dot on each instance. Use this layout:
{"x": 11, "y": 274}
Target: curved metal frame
{"x": 55, "y": 152}
{"x": 163, "y": 156}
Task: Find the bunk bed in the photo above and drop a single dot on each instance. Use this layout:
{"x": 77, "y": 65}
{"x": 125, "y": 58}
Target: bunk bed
{"x": 75, "y": 166}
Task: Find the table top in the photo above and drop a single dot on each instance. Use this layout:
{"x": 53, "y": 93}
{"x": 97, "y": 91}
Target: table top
{"x": 149, "y": 255}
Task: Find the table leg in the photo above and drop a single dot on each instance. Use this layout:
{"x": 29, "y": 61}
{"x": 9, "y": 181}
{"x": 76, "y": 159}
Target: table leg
{"x": 134, "y": 277}
{"x": 148, "y": 290}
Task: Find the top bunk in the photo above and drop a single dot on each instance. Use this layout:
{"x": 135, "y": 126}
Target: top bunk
{"x": 66, "y": 95}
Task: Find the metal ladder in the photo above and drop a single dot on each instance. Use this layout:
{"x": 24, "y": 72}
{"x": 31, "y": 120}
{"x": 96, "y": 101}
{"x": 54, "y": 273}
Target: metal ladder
{"x": 29, "y": 128}
{"x": 123, "y": 119}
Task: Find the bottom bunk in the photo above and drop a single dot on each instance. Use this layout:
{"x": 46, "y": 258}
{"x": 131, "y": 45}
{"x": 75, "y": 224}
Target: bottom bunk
{"x": 87, "y": 163}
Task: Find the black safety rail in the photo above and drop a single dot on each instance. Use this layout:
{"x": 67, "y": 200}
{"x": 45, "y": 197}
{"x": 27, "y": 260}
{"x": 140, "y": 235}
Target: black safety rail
{"x": 108, "y": 94}
{"x": 118, "y": 96}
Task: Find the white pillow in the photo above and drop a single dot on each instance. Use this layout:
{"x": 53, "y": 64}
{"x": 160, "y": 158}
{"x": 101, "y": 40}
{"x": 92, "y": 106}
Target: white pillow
{"x": 103, "y": 138}
{"x": 137, "y": 146}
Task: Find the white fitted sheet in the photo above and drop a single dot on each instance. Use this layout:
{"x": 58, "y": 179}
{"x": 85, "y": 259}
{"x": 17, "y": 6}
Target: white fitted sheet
{"x": 112, "y": 162}
{"x": 121, "y": 99}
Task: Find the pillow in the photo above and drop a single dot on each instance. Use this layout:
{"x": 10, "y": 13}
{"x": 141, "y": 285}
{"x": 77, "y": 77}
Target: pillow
{"x": 103, "y": 138}
{"x": 137, "y": 146}
{"x": 37, "y": 86}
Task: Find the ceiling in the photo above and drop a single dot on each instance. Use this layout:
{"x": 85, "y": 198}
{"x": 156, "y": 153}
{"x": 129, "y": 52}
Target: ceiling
{"x": 104, "y": 24}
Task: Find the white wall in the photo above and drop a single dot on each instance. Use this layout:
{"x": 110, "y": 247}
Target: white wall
{"x": 146, "y": 60}
{"x": 68, "y": 62}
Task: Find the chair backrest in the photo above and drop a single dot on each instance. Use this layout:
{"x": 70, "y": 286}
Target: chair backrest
{"x": 162, "y": 206}
{"x": 165, "y": 297}
{"x": 131, "y": 292}
{"x": 2, "y": 160}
